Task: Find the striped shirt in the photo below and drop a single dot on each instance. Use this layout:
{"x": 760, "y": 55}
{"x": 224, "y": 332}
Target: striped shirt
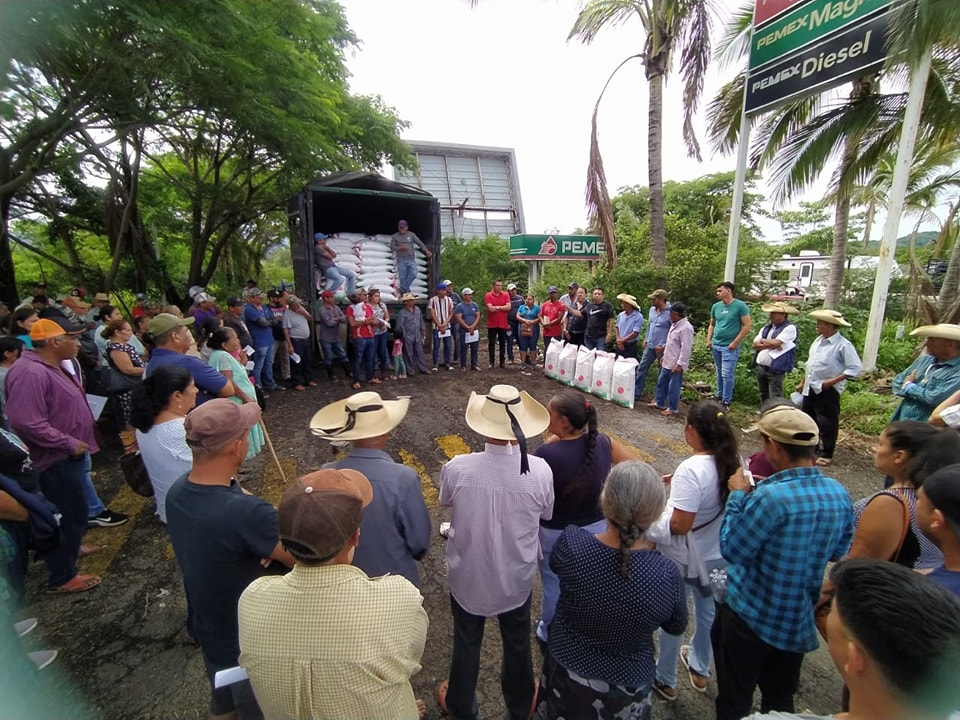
{"x": 778, "y": 540}
{"x": 441, "y": 310}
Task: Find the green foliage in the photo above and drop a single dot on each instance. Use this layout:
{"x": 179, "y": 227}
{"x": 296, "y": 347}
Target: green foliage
{"x": 865, "y": 411}
{"x": 477, "y": 263}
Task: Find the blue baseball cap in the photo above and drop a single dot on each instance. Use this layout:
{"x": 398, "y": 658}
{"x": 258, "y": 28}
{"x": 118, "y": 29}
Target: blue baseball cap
{"x": 320, "y": 236}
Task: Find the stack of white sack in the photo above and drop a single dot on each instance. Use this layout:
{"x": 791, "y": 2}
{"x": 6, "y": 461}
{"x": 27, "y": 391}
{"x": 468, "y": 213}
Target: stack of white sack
{"x": 603, "y": 375}
{"x": 567, "y": 364}
{"x": 551, "y": 361}
{"x": 624, "y": 381}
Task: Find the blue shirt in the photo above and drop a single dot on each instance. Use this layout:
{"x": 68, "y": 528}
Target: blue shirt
{"x": 631, "y": 323}
{"x": 395, "y": 525}
{"x": 604, "y": 625}
{"x": 469, "y": 311}
{"x": 262, "y": 336}
{"x": 528, "y": 312}
{"x": 658, "y": 325}
{"x": 778, "y": 540}
{"x": 934, "y": 382}
{"x": 209, "y": 381}
{"x": 950, "y": 579}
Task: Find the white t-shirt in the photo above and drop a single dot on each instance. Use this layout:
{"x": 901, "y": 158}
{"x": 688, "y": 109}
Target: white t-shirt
{"x": 787, "y": 336}
{"x": 166, "y": 456}
{"x": 696, "y": 488}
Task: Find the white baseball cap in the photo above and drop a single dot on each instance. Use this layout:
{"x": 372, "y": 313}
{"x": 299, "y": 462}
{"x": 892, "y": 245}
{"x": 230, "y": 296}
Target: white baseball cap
{"x": 467, "y": 291}
{"x": 512, "y": 286}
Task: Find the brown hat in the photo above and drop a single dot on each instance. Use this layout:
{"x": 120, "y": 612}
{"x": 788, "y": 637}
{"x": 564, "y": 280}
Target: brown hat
{"x": 216, "y": 422}
{"x": 319, "y": 512}
{"x": 789, "y": 426}
{"x": 658, "y": 293}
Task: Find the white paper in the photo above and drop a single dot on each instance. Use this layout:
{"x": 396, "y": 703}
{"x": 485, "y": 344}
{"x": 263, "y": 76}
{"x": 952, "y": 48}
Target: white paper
{"x": 250, "y": 365}
{"x": 445, "y": 333}
{"x": 295, "y": 358}
{"x": 472, "y": 337}
{"x": 249, "y": 351}
{"x": 230, "y": 676}
{"x": 97, "y": 403}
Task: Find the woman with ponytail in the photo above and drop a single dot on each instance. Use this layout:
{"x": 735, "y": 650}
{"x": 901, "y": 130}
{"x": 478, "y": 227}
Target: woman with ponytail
{"x": 614, "y": 593}
{"x": 160, "y": 404}
{"x": 580, "y": 457}
{"x": 688, "y": 532}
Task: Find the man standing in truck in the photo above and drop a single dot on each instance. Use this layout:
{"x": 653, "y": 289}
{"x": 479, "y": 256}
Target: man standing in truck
{"x": 402, "y": 242}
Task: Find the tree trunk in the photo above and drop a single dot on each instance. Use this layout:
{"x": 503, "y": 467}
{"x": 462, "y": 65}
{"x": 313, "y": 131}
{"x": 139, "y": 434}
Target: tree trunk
{"x": 8, "y": 273}
{"x": 951, "y": 281}
{"x": 868, "y": 223}
{"x": 838, "y": 253}
{"x": 658, "y": 235}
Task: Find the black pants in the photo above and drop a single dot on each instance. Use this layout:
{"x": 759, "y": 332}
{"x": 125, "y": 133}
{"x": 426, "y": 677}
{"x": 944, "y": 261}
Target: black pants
{"x": 516, "y": 669}
{"x": 513, "y": 337}
{"x": 629, "y": 350}
{"x": 745, "y": 662}
{"x": 824, "y": 408}
{"x": 496, "y": 336}
{"x": 302, "y": 372}
{"x": 769, "y": 383}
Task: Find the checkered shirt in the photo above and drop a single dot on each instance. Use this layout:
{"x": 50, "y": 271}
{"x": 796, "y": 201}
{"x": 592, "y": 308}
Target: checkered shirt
{"x": 778, "y": 540}
{"x": 330, "y": 642}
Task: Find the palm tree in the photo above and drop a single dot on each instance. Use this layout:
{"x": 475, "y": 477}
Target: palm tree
{"x": 667, "y": 25}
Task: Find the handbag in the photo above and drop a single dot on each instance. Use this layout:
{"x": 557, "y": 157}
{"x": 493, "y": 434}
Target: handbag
{"x": 821, "y": 612}
{"x": 135, "y": 473}
{"x": 526, "y": 330}
{"x": 115, "y": 382}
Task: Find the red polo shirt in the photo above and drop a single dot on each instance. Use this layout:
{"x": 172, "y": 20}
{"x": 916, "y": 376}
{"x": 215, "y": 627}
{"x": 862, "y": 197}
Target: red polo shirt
{"x": 497, "y": 319}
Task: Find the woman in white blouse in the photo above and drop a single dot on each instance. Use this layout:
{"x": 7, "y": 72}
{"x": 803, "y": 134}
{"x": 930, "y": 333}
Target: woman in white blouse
{"x": 160, "y": 405}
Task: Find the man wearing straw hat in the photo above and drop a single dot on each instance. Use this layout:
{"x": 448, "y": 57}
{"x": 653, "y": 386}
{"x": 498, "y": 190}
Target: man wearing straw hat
{"x": 831, "y": 362}
{"x": 629, "y": 326}
{"x": 396, "y": 525}
{"x": 775, "y": 349}
{"x": 326, "y": 640}
{"x": 222, "y": 538}
{"x": 498, "y": 498}
{"x": 932, "y": 377}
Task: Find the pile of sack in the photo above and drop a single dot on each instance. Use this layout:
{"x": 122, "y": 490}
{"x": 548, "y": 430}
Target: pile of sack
{"x": 372, "y": 259}
{"x": 594, "y": 371}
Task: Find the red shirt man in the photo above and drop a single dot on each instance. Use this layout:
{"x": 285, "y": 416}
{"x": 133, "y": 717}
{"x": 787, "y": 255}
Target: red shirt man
{"x": 360, "y": 317}
{"x": 551, "y": 314}
{"x": 498, "y": 305}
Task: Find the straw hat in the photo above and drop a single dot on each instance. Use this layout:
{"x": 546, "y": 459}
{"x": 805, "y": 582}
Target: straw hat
{"x": 780, "y": 307}
{"x": 506, "y": 413}
{"x": 630, "y": 299}
{"x": 947, "y": 331}
{"x": 830, "y": 316}
{"x": 407, "y": 296}
{"x": 362, "y": 415}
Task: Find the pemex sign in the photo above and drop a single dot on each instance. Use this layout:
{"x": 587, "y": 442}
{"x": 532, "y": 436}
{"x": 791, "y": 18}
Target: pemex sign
{"x": 812, "y": 45}
{"x": 556, "y": 247}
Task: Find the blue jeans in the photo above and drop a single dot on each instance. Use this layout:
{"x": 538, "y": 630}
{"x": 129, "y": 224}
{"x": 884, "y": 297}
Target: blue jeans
{"x": 648, "y": 358}
{"x": 528, "y": 343}
{"x": 599, "y": 343}
{"x": 669, "y": 385}
{"x": 473, "y": 349}
{"x": 725, "y": 361}
{"x": 701, "y": 650}
{"x": 63, "y": 484}
{"x": 333, "y": 350}
{"x": 549, "y": 579}
{"x": 381, "y": 354}
{"x": 336, "y": 276}
{"x": 446, "y": 347}
{"x": 95, "y": 505}
{"x": 263, "y": 367}
{"x": 406, "y": 274}
{"x": 363, "y": 357}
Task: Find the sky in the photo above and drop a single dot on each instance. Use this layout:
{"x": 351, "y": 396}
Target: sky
{"x": 503, "y": 74}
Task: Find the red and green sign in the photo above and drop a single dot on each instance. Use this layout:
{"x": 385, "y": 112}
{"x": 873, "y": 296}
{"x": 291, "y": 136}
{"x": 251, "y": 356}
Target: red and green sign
{"x": 763, "y": 10}
{"x": 806, "y": 24}
{"x": 556, "y": 247}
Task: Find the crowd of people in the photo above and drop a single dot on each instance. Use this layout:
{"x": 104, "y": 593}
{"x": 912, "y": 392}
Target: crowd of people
{"x": 319, "y": 599}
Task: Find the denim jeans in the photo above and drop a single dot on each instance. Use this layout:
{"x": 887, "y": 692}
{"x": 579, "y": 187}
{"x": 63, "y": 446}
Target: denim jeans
{"x": 516, "y": 669}
{"x": 336, "y": 276}
{"x": 437, "y": 340}
{"x": 381, "y": 353}
{"x": 263, "y": 367}
{"x": 701, "y": 651}
{"x": 472, "y": 349}
{"x": 333, "y": 350}
{"x": 63, "y": 484}
{"x": 94, "y": 503}
{"x": 528, "y": 343}
{"x": 406, "y": 274}
{"x": 362, "y": 357}
{"x": 599, "y": 343}
{"x": 648, "y": 358}
{"x": 669, "y": 385}
{"x": 549, "y": 579}
{"x": 725, "y": 361}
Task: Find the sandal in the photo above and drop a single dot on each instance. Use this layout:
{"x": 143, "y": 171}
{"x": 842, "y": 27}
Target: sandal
{"x": 88, "y": 550}
{"x": 667, "y": 413}
{"x": 665, "y": 691}
{"x": 79, "y": 583}
{"x": 442, "y": 697}
{"x": 697, "y": 681}
{"x": 356, "y": 386}
{"x": 824, "y": 462}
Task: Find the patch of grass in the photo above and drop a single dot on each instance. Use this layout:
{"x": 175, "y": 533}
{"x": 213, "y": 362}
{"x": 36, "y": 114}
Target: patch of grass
{"x": 866, "y": 411}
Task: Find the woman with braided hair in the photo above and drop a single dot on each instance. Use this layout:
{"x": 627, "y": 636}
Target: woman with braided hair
{"x": 688, "y": 532}
{"x": 614, "y": 593}
{"x": 580, "y": 457}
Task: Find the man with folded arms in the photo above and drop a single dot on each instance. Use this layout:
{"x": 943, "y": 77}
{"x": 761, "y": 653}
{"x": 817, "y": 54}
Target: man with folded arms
{"x": 326, "y": 640}
{"x": 223, "y": 538}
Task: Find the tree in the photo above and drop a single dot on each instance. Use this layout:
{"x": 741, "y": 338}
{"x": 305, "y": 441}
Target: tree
{"x": 667, "y": 24}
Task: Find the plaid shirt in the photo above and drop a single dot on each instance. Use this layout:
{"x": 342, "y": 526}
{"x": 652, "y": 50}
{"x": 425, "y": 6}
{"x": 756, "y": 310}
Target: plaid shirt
{"x": 778, "y": 540}
{"x": 935, "y": 382}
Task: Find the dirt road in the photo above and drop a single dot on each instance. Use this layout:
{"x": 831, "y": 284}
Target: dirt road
{"x": 123, "y": 647}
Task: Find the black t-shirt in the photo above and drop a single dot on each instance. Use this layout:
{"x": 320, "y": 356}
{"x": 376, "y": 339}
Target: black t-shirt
{"x": 597, "y": 317}
{"x": 515, "y": 303}
{"x": 278, "y": 323}
{"x": 577, "y": 494}
{"x": 15, "y": 462}
{"x": 219, "y": 536}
